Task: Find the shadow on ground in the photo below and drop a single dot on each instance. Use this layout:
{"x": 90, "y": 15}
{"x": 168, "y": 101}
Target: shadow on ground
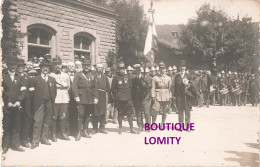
{"x": 245, "y": 158}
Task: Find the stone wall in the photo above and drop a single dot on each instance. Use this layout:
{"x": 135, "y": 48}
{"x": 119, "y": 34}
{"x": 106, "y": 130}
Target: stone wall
{"x": 65, "y": 18}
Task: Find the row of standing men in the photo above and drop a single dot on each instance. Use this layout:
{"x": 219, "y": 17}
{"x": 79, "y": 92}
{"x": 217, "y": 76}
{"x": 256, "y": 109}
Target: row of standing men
{"x": 36, "y": 104}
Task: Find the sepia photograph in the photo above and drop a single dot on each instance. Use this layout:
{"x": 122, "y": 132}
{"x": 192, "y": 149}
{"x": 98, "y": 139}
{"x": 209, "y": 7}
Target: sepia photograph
{"x": 130, "y": 83}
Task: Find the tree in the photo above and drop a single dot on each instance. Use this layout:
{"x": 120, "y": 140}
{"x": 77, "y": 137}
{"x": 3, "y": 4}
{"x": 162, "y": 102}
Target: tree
{"x": 212, "y": 35}
{"x": 10, "y": 40}
{"x": 112, "y": 59}
{"x": 131, "y": 28}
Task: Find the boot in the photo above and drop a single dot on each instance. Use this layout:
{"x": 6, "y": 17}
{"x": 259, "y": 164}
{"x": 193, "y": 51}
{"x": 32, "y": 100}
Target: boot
{"x": 133, "y": 131}
{"x": 120, "y": 130}
{"x": 53, "y": 138}
{"x": 78, "y": 137}
{"x": 85, "y": 134}
{"x": 64, "y": 136}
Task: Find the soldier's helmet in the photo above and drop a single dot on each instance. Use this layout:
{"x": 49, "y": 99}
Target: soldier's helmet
{"x": 153, "y": 69}
{"x": 162, "y": 65}
{"x": 137, "y": 66}
{"x": 174, "y": 68}
{"x": 121, "y": 65}
{"x": 129, "y": 68}
{"x": 170, "y": 68}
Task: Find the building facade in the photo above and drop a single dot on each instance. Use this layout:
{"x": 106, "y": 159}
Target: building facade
{"x": 66, "y": 28}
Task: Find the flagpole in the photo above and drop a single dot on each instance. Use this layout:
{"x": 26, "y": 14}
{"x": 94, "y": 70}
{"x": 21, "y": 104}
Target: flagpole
{"x": 150, "y": 22}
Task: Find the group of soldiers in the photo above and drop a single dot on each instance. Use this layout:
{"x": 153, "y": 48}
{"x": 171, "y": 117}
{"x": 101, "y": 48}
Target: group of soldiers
{"x": 47, "y": 99}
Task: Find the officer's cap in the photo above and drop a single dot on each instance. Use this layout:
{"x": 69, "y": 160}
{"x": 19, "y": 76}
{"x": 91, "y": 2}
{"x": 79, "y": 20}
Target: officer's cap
{"x": 41, "y": 58}
{"x": 174, "y": 68}
{"x": 169, "y": 68}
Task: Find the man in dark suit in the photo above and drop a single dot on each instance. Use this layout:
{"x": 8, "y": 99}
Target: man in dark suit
{"x": 13, "y": 95}
{"x": 185, "y": 94}
{"x": 26, "y": 107}
{"x": 103, "y": 86}
{"x": 44, "y": 95}
{"x": 85, "y": 92}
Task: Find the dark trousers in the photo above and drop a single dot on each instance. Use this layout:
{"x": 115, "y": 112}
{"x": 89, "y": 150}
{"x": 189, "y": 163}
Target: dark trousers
{"x": 146, "y": 107}
{"x": 59, "y": 115}
{"x": 42, "y": 121}
{"x": 84, "y": 114}
{"x": 26, "y": 123}
{"x": 183, "y": 109}
{"x": 206, "y": 97}
{"x": 73, "y": 117}
{"x": 11, "y": 128}
{"x": 244, "y": 98}
{"x": 99, "y": 119}
{"x": 125, "y": 107}
{"x": 236, "y": 100}
{"x": 254, "y": 98}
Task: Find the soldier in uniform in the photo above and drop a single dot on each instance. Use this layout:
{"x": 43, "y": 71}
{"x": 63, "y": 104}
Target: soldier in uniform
{"x": 121, "y": 93}
{"x": 85, "y": 92}
{"x": 222, "y": 86}
{"x": 44, "y": 95}
{"x": 235, "y": 84}
{"x": 254, "y": 90}
{"x": 161, "y": 91}
{"x": 103, "y": 87}
{"x": 244, "y": 88}
{"x": 13, "y": 95}
{"x": 60, "y": 112}
{"x": 204, "y": 87}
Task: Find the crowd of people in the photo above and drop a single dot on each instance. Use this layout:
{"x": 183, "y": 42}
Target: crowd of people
{"x": 45, "y": 99}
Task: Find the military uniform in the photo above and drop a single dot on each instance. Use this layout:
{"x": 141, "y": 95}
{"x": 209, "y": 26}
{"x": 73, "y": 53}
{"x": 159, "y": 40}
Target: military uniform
{"x": 244, "y": 88}
{"x": 84, "y": 87}
{"x": 254, "y": 91}
{"x": 161, "y": 92}
{"x": 121, "y": 93}
{"x": 235, "y": 98}
{"x": 60, "y": 112}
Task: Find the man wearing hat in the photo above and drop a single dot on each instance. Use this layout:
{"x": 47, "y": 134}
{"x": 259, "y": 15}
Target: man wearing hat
{"x": 254, "y": 90}
{"x": 26, "y": 107}
{"x": 111, "y": 110}
{"x": 60, "y": 112}
{"x": 222, "y": 87}
{"x": 170, "y": 71}
{"x": 141, "y": 95}
{"x": 14, "y": 92}
{"x": 85, "y": 92}
{"x": 161, "y": 91}
{"x": 235, "y": 90}
{"x": 35, "y": 60}
{"x": 244, "y": 88}
{"x": 121, "y": 93}
{"x": 185, "y": 94}
{"x": 44, "y": 97}
{"x": 103, "y": 87}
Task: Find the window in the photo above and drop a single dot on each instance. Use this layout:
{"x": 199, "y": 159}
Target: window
{"x": 83, "y": 46}
{"x": 39, "y": 42}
